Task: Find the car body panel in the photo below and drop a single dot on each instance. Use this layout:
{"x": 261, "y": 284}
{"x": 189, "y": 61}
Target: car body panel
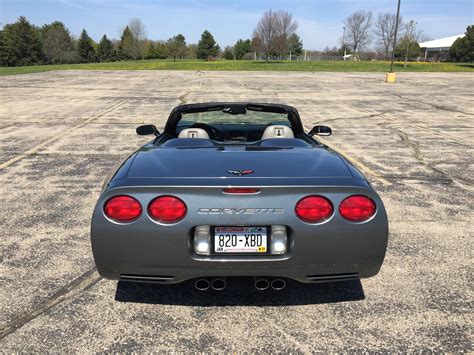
{"x": 145, "y": 247}
{"x": 188, "y": 163}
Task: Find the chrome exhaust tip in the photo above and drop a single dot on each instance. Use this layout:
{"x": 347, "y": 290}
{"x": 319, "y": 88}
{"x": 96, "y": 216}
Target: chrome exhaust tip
{"x": 202, "y": 284}
{"x": 218, "y": 284}
{"x": 261, "y": 284}
{"x": 278, "y": 284}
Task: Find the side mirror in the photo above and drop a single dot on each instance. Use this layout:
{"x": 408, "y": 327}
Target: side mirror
{"x": 320, "y": 131}
{"x": 147, "y": 129}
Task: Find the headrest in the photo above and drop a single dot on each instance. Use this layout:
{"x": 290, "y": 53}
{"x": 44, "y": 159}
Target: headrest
{"x": 278, "y": 131}
{"x": 193, "y": 133}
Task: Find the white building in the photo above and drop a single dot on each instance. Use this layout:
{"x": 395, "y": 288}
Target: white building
{"x": 438, "y": 48}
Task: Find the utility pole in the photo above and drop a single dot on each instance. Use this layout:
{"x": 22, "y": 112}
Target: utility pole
{"x": 395, "y": 37}
{"x": 391, "y": 76}
{"x": 343, "y": 37}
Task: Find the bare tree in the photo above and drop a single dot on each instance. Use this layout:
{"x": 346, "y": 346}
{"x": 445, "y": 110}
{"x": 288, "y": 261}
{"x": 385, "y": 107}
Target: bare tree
{"x": 267, "y": 32}
{"x": 286, "y": 27}
{"x": 358, "y": 27}
{"x": 273, "y": 31}
{"x": 423, "y": 37}
{"x": 57, "y": 42}
{"x": 412, "y": 36}
{"x": 385, "y": 31}
{"x": 138, "y": 36}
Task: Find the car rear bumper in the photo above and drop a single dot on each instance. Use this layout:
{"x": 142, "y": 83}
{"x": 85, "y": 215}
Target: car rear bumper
{"x": 308, "y": 273}
{"x": 309, "y": 259}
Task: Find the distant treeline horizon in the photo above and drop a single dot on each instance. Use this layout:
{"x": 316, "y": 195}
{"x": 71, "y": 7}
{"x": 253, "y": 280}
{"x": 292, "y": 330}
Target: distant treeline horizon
{"x": 275, "y": 37}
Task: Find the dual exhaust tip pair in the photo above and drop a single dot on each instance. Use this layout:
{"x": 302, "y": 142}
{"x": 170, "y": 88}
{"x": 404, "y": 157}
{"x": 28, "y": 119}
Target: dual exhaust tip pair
{"x": 264, "y": 284}
{"x": 219, "y": 284}
{"x": 205, "y": 284}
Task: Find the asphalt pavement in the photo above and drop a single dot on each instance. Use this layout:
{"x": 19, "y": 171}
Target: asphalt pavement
{"x": 62, "y": 133}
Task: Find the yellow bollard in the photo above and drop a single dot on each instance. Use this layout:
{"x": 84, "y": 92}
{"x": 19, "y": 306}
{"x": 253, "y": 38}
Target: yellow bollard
{"x": 391, "y": 78}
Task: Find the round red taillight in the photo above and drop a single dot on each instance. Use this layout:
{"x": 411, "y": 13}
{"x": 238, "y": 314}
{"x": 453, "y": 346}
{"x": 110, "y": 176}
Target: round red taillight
{"x": 357, "y": 208}
{"x": 167, "y": 209}
{"x": 313, "y": 209}
{"x": 122, "y": 208}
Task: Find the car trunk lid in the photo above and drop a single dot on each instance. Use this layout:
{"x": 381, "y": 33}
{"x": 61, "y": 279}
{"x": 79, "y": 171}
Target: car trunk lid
{"x": 243, "y": 163}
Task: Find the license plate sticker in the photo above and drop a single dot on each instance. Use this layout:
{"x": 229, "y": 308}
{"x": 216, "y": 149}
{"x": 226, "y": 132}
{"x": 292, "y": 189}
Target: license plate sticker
{"x": 236, "y": 240}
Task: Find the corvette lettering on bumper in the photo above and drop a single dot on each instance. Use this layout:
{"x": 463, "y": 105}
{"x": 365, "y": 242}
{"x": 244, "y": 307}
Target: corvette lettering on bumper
{"x": 238, "y": 211}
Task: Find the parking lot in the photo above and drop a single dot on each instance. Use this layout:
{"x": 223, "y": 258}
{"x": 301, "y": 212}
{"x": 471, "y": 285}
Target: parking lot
{"x": 62, "y": 133}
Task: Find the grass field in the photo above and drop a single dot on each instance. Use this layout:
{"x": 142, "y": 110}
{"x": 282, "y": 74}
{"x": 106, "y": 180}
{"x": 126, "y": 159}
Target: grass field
{"x": 240, "y": 65}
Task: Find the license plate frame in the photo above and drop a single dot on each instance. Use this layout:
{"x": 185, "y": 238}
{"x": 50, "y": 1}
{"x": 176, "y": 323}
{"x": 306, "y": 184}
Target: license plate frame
{"x": 246, "y": 253}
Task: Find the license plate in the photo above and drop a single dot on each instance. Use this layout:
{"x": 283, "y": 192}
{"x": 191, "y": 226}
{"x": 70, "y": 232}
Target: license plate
{"x": 236, "y": 240}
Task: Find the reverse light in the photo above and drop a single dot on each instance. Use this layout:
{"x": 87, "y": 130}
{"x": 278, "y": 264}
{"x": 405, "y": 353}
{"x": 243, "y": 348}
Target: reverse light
{"x": 168, "y": 209}
{"x": 278, "y": 240}
{"x": 202, "y": 240}
{"x": 313, "y": 209}
{"x": 122, "y": 208}
{"x": 357, "y": 208}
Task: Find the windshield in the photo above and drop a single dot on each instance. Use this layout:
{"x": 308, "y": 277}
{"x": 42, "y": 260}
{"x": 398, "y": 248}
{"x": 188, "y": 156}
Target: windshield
{"x": 221, "y": 117}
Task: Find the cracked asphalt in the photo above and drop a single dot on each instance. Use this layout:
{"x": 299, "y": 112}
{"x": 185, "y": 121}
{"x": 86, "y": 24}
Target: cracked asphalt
{"x": 62, "y": 133}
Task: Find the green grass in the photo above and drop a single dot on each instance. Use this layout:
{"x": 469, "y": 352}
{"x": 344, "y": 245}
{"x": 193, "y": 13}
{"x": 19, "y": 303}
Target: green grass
{"x": 240, "y": 65}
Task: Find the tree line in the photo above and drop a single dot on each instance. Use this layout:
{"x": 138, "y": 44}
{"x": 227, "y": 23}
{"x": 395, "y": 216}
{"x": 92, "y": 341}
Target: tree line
{"x": 362, "y": 29}
{"x": 274, "y": 37}
{"x": 22, "y": 43}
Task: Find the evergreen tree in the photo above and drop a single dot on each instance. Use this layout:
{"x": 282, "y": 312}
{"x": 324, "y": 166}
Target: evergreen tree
{"x": 469, "y": 44}
{"x": 295, "y": 44}
{"x": 126, "y": 44}
{"x": 21, "y": 44}
{"x": 457, "y": 50}
{"x": 228, "y": 53}
{"x": 207, "y": 46}
{"x": 150, "y": 52}
{"x": 105, "y": 50}
{"x": 462, "y": 49}
{"x": 344, "y": 49}
{"x": 85, "y": 48}
{"x": 242, "y": 47}
{"x": 176, "y": 46}
{"x": 3, "y": 49}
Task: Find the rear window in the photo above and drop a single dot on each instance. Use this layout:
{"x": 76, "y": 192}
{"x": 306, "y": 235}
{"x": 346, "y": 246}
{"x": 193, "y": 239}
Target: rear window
{"x": 219, "y": 117}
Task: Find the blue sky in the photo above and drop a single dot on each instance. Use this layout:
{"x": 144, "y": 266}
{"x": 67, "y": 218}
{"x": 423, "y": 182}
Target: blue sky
{"x": 320, "y": 21}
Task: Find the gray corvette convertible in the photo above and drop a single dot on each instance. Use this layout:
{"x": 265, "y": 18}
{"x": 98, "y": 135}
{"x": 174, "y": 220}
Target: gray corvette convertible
{"x": 237, "y": 189}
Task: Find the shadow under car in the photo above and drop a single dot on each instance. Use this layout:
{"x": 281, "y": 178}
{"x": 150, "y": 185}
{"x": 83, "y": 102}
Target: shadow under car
{"x": 240, "y": 291}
